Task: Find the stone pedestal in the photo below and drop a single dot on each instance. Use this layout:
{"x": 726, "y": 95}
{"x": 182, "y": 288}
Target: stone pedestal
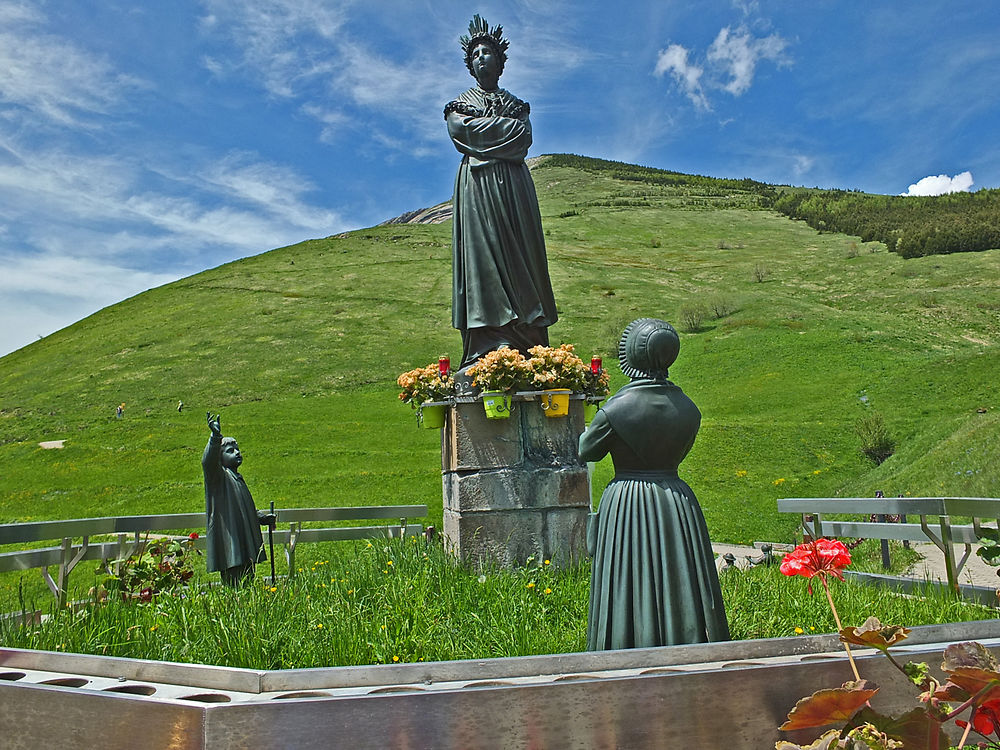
{"x": 514, "y": 488}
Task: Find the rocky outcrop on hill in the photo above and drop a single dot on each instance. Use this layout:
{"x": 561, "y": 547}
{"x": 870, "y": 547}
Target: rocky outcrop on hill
{"x": 433, "y": 215}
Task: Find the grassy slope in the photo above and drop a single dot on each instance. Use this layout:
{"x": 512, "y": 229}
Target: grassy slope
{"x": 299, "y": 349}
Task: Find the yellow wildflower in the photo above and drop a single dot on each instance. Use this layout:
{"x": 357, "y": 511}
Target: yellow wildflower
{"x": 531, "y": 585}
{"x": 799, "y": 631}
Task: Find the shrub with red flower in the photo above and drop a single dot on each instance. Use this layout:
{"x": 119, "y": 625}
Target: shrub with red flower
{"x": 973, "y": 681}
{"x": 153, "y": 568}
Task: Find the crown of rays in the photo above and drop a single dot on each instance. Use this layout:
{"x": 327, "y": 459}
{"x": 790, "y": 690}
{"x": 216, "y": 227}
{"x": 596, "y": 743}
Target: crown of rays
{"x": 480, "y": 31}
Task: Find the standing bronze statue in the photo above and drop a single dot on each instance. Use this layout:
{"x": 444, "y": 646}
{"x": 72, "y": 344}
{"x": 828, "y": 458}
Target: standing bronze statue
{"x": 501, "y": 293}
{"x": 654, "y": 581}
{"x": 233, "y": 539}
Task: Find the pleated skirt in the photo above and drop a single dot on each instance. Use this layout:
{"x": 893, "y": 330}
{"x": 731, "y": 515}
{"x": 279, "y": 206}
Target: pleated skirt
{"x": 654, "y": 581}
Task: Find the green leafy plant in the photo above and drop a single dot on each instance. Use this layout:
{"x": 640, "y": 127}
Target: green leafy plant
{"x": 973, "y": 682}
{"x": 155, "y": 567}
{"x": 876, "y": 442}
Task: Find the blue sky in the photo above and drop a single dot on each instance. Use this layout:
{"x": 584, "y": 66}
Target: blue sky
{"x": 143, "y": 142}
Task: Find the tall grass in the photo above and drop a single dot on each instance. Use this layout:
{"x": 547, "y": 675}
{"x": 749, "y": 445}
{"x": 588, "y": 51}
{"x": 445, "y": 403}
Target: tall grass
{"x": 400, "y": 601}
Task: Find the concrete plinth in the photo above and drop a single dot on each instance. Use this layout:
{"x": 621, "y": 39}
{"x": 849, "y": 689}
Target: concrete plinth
{"x": 514, "y": 488}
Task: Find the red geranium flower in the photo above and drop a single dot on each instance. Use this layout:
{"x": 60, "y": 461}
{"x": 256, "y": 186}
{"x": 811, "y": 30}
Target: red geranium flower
{"x": 818, "y": 557}
{"x": 985, "y": 718}
{"x": 193, "y": 535}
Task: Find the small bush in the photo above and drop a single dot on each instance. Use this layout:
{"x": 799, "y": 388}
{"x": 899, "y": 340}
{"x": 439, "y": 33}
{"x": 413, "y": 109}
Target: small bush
{"x": 654, "y": 242}
{"x": 876, "y": 442}
{"x": 721, "y": 307}
{"x": 692, "y": 317}
{"x": 760, "y": 272}
{"x": 852, "y": 250}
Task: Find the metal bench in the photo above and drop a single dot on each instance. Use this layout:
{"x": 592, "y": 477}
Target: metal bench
{"x": 129, "y": 530}
{"x": 941, "y": 532}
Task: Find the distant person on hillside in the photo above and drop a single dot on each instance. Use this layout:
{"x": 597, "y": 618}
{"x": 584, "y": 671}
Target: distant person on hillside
{"x": 501, "y": 293}
{"x": 234, "y": 541}
{"x": 120, "y": 411}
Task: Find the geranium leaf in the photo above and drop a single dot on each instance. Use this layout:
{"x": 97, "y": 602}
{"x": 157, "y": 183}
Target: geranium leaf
{"x": 827, "y": 741}
{"x": 874, "y": 634}
{"x": 971, "y": 681}
{"x": 829, "y": 706}
{"x": 968, "y": 654}
{"x": 914, "y": 728}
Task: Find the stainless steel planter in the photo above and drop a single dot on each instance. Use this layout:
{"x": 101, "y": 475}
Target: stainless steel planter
{"x": 730, "y": 695}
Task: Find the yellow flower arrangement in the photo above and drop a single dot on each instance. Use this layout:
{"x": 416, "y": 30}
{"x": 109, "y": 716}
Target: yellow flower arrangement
{"x": 425, "y": 384}
{"x": 556, "y": 367}
{"x": 500, "y": 370}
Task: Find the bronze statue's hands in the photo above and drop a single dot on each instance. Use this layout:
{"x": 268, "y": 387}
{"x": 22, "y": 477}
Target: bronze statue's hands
{"x": 213, "y": 423}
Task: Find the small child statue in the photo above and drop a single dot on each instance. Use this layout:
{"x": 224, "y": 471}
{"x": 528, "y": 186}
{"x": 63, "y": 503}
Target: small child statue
{"x": 234, "y": 541}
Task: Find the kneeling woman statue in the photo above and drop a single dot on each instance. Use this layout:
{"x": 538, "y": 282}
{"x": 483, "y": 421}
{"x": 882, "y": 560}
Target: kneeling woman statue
{"x": 654, "y": 581}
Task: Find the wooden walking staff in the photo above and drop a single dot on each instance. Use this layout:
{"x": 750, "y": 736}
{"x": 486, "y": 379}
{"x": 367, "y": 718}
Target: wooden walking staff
{"x": 270, "y": 542}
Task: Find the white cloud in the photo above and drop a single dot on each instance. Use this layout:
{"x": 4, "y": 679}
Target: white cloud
{"x": 273, "y": 189}
{"x": 283, "y": 41}
{"x": 40, "y": 294}
{"x": 730, "y": 63}
{"x": 51, "y": 77}
{"x": 738, "y": 53}
{"x": 941, "y": 184}
{"x": 346, "y": 79}
{"x": 674, "y": 60}
{"x": 802, "y": 164}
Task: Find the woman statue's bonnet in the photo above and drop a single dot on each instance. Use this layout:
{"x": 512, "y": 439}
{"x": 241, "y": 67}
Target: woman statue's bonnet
{"x": 647, "y": 348}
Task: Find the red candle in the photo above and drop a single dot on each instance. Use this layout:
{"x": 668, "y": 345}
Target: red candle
{"x": 595, "y": 365}
{"x": 444, "y": 366}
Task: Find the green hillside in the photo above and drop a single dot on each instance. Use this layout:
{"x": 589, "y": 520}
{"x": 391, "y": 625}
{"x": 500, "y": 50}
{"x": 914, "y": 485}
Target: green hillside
{"x": 299, "y": 349}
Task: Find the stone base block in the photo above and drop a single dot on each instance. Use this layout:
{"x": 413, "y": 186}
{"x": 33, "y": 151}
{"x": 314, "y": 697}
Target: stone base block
{"x": 514, "y": 488}
{"x": 517, "y": 537}
{"x": 471, "y": 442}
{"x": 510, "y": 489}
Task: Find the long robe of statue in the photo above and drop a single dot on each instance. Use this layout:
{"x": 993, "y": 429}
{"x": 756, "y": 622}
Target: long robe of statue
{"x": 501, "y": 293}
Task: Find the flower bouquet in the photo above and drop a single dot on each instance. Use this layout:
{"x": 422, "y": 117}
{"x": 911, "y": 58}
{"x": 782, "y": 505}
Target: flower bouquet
{"x": 495, "y": 374}
{"x": 556, "y": 368}
{"x": 556, "y": 371}
{"x": 427, "y": 389}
